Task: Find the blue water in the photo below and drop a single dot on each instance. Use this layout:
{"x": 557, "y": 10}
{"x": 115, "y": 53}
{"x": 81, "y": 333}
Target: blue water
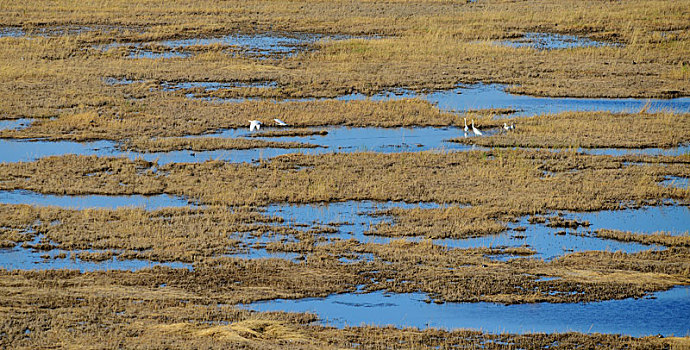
{"x": 354, "y": 218}
{"x": 215, "y": 85}
{"x": 91, "y": 201}
{"x": 677, "y": 182}
{"x": 339, "y": 139}
{"x": 668, "y": 314}
{"x": 675, "y": 151}
{"x": 11, "y": 32}
{"x": 255, "y": 45}
{"x": 483, "y": 96}
{"x": 15, "y": 124}
{"x": 673, "y": 219}
{"x": 487, "y": 96}
{"x": 19, "y": 258}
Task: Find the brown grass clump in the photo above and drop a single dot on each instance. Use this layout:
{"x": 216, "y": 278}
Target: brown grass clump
{"x": 172, "y": 234}
{"x": 580, "y": 182}
{"x": 592, "y": 130}
{"x": 654, "y": 238}
{"x": 450, "y": 222}
{"x": 177, "y": 116}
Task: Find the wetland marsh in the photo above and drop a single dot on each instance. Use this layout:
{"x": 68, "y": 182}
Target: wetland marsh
{"x": 138, "y": 209}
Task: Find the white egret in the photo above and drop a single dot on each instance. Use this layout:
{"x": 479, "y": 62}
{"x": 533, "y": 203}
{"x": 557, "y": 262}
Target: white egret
{"x": 475, "y": 130}
{"x": 466, "y": 128}
{"x": 280, "y": 122}
{"x": 506, "y": 127}
{"x": 254, "y": 124}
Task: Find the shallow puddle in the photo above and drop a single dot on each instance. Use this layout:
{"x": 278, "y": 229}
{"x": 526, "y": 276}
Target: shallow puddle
{"x": 214, "y": 85}
{"x": 15, "y": 124}
{"x": 92, "y": 201}
{"x": 485, "y": 96}
{"x": 14, "y": 150}
{"x": 338, "y": 139}
{"x": 549, "y": 243}
{"x": 668, "y": 313}
{"x": 672, "y": 219}
{"x": 19, "y": 258}
{"x": 254, "y": 45}
{"x": 552, "y": 41}
{"x": 55, "y": 31}
{"x": 353, "y": 218}
{"x": 677, "y": 182}
{"x": 11, "y": 32}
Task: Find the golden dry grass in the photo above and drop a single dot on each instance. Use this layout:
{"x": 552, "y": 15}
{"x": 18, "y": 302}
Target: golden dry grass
{"x": 68, "y": 309}
{"x": 431, "y": 45}
{"x": 424, "y": 45}
{"x": 478, "y": 178}
{"x": 178, "y": 116}
{"x": 661, "y": 238}
{"x": 591, "y": 130}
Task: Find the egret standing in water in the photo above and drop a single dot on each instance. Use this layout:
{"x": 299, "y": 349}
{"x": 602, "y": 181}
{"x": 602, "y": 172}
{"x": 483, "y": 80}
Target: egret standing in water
{"x": 280, "y": 122}
{"x": 254, "y": 124}
{"x": 466, "y": 128}
{"x": 475, "y": 130}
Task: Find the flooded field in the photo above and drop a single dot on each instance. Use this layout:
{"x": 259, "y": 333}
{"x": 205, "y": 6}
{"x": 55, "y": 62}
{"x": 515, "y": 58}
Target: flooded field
{"x": 91, "y": 201}
{"x": 11, "y": 32}
{"x": 334, "y": 140}
{"x": 494, "y": 96}
{"x": 19, "y": 258}
{"x": 337, "y": 139}
{"x": 665, "y": 313}
{"x": 354, "y": 220}
{"x": 484, "y": 96}
{"x": 331, "y": 175}
{"x": 14, "y": 124}
{"x": 261, "y": 45}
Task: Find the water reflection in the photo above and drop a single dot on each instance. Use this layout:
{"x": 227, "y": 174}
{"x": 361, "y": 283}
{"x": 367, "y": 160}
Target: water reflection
{"x": 668, "y": 313}
{"x": 92, "y": 201}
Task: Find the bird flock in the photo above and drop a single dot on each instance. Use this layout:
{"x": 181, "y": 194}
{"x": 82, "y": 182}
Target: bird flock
{"x": 256, "y": 125}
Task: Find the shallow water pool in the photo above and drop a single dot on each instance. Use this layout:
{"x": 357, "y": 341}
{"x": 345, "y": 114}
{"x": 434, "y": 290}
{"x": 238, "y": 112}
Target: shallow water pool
{"x": 92, "y": 201}
{"x": 668, "y": 313}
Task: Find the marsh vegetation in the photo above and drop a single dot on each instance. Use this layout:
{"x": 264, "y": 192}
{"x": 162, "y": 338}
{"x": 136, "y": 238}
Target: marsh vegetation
{"x": 137, "y": 209}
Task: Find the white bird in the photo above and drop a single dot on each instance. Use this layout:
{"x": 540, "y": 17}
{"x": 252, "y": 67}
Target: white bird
{"x": 506, "y": 127}
{"x": 512, "y": 126}
{"x": 254, "y": 124}
{"x": 280, "y": 122}
{"x": 475, "y": 130}
{"x": 466, "y": 128}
